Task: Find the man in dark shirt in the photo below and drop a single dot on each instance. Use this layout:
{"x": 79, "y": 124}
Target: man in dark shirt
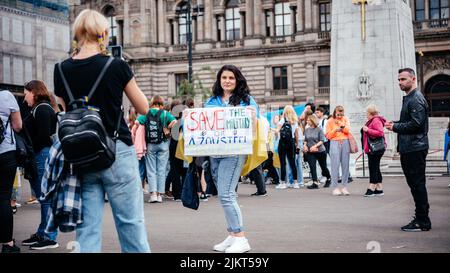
{"x": 412, "y": 129}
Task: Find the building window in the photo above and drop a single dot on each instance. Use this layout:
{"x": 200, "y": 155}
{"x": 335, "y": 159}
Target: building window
{"x": 420, "y": 10}
{"x": 282, "y": 19}
{"x": 179, "y": 78}
{"x": 110, "y": 13}
{"x": 218, "y": 27}
{"x": 324, "y": 76}
{"x": 182, "y": 30}
{"x": 325, "y": 16}
{"x": 439, "y": 9}
{"x": 280, "y": 79}
{"x": 232, "y": 20}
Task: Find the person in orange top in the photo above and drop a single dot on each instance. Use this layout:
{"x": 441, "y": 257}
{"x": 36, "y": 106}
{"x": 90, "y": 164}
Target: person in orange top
{"x": 338, "y": 132}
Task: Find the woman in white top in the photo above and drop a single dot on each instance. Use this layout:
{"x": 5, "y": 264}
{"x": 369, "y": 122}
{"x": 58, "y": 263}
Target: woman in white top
{"x": 288, "y": 130}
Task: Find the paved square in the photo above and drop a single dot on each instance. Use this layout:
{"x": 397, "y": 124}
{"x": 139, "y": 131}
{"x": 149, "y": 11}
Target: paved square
{"x": 285, "y": 221}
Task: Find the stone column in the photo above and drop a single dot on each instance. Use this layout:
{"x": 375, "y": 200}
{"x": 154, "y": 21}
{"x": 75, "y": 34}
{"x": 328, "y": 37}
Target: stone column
{"x": 223, "y": 30}
{"x": 200, "y": 25}
{"x": 427, "y": 10}
{"x": 161, "y": 17}
{"x": 214, "y": 28}
{"x": 176, "y": 33}
{"x": 272, "y": 22}
{"x": 315, "y": 16}
{"x": 208, "y": 19}
{"x": 153, "y": 21}
{"x": 126, "y": 23}
{"x": 168, "y": 32}
{"x": 308, "y": 13}
{"x": 300, "y": 17}
{"x": 310, "y": 79}
{"x": 257, "y": 18}
{"x": 242, "y": 29}
{"x": 249, "y": 18}
{"x": 194, "y": 29}
{"x": 39, "y": 33}
{"x": 293, "y": 27}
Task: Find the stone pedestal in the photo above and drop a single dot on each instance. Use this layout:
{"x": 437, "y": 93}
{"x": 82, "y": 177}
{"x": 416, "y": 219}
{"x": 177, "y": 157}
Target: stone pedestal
{"x": 365, "y": 72}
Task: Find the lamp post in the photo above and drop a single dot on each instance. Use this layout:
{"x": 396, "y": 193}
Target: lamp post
{"x": 188, "y": 14}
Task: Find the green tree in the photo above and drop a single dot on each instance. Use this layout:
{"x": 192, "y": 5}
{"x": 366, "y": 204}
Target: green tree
{"x": 197, "y": 87}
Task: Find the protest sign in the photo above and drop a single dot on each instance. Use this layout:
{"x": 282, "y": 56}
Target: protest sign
{"x": 217, "y": 131}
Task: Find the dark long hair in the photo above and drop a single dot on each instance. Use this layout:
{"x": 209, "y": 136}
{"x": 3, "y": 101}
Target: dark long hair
{"x": 41, "y": 93}
{"x": 240, "y": 93}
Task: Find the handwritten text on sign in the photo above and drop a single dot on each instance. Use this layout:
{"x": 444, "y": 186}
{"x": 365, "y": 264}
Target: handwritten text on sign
{"x": 217, "y": 131}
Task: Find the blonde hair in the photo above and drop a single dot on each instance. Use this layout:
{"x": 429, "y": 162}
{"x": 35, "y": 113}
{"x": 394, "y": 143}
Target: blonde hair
{"x": 290, "y": 115}
{"x": 313, "y": 120}
{"x": 339, "y": 109}
{"x": 89, "y": 26}
{"x": 372, "y": 109}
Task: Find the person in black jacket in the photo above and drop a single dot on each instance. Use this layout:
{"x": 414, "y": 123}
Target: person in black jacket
{"x": 412, "y": 130}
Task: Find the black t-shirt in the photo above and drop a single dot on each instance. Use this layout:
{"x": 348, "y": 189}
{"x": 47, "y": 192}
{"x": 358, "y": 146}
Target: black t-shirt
{"x": 81, "y": 75}
{"x": 41, "y": 125}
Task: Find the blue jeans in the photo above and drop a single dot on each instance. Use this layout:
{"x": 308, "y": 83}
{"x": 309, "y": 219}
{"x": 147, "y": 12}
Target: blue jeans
{"x": 142, "y": 168}
{"x": 123, "y": 187}
{"x": 157, "y": 159}
{"x": 226, "y": 172}
{"x": 40, "y": 159}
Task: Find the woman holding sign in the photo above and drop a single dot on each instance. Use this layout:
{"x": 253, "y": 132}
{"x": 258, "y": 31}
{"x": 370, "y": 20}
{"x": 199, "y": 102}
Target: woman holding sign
{"x": 231, "y": 90}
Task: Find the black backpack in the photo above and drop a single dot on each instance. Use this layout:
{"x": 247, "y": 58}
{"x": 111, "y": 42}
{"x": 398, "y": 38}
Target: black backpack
{"x": 84, "y": 140}
{"x": 286, "y": 133}
{"x": 154, "y": 133}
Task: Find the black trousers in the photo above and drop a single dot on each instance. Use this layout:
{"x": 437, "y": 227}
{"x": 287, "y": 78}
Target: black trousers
{"x": 289, "y": 152}
{"x": 8, "y": 166}
{"x": 413, "y": 165}
{"x": 176, "y": 172}
{"x": 257, "y": 176}
{"x": 374, "y": 168}
{"x": 322, "y": 158}
{"x": 271, "y": 171}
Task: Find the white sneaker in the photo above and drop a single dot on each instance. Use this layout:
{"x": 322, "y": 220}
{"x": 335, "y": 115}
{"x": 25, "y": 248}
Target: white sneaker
{"x": 225, "y": 244}
{"x": 240, "y": 245}
{"x": 281, "y": 186}
{"x": 290, "y": 185}
{"x": 153, "y": 198}
{"x": 159, "y": 199}
{"x": 296, "y": 186}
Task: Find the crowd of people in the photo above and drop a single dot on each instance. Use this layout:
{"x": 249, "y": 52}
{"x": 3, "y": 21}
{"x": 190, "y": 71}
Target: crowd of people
{"x": 146, "y": 148}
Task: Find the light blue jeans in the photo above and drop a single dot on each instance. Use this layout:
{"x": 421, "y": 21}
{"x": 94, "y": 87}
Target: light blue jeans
{"x": 226, "y": 172}
{"x": 122, "y": 184}
{"x": 157, "y": 158}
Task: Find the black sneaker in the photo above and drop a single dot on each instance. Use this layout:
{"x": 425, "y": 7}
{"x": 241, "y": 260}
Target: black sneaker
{"x": 369, "y": 193}
{"x": 379, "y": 193}
{"x": 259, "y": 194}
{"x": 203, "y": 197}
{"x": 327, "y": 183}
{"x": 415, "y": 226}
{"x": 32, "y": 240}
{"x": 350, "y": 179}
{"x": 44, "y": 244}
{"x": 313, "y": 186}
{"x": 14, "y": 209}
{"x": 10, "y": 249}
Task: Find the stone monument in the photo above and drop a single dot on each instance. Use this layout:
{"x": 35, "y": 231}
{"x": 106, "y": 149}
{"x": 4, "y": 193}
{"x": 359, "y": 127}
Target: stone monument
{"x": 370, "y": 41}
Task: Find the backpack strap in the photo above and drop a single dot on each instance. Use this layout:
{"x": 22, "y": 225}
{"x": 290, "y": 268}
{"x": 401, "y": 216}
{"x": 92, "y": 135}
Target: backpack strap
{"x": 33, "y": 112}
{"x": 94, "y": 87}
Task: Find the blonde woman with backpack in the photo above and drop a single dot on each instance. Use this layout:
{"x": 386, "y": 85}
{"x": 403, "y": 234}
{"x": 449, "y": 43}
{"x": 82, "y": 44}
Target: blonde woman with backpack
{"x": 289, "y": 134}
{"x": 120, "y": 181}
